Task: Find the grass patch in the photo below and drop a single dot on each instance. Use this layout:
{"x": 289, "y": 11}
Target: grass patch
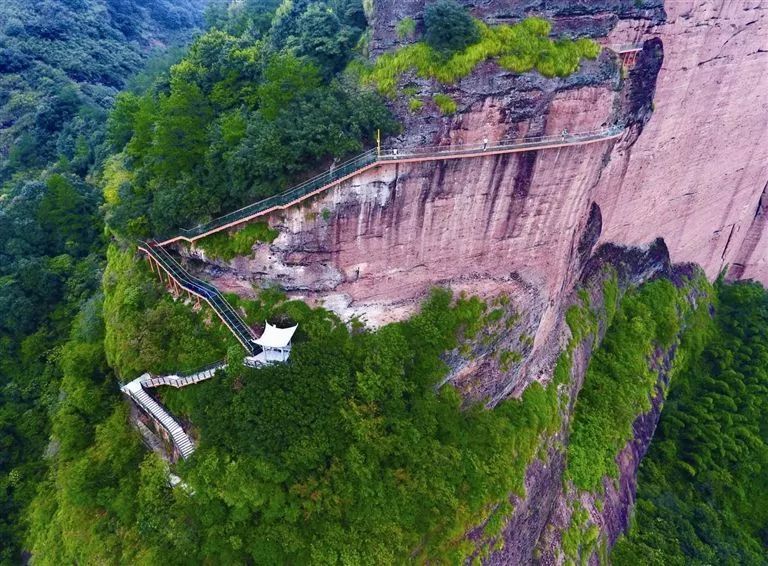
{"x": 445, "y": 103}
{"x": 224, "y": 246}
{"x": 518, "y": 48}
{"x": 509, "y": 357}
{"x": 406, "y": 28}
{"x": 415, "y": 104}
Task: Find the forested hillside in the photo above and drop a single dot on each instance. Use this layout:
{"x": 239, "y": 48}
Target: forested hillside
{"x": 253, "y": 104}
{"x": 350, "y": 453}
{"x": 703, "y": 487}
{"x": 61, "y": 65}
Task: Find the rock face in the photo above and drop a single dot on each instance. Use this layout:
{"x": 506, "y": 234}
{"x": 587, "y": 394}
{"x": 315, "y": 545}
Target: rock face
{"x": 694, "y": 174}
{"x": 691, "y": 170}
{"x": 698, "y": 172}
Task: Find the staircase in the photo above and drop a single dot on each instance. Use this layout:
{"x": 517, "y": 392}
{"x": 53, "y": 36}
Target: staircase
{"x": 205, "y": 291}
{"x": 183, "y": 380}
{"x": 180, "y": 439}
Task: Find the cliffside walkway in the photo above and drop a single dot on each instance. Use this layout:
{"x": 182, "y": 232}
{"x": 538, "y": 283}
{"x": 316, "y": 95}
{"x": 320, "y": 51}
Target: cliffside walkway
{"x": 180, "y": 439}
{"x": 628, "y": 53}
{"x": 374, "y": 158}
{"x": 183, "y": 280}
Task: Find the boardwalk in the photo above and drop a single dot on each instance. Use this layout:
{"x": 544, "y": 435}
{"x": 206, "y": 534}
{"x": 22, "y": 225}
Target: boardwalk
{"x": 373, "y": 159}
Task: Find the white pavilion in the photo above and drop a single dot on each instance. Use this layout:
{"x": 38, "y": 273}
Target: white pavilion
{"x": 275, "y": 345}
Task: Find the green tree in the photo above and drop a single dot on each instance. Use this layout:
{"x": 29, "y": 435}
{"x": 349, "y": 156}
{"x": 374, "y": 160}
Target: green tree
{"x": 449, "y": 27}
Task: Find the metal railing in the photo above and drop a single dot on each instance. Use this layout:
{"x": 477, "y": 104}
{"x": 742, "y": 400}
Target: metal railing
{"x": 374, "y": 158}
{"x": 343, "y": 170}
{"x": 206, "y": 291}
{"x": 163, "y": 418}
{"x": 626, "y": 48}
{"x": 184, "y": 379}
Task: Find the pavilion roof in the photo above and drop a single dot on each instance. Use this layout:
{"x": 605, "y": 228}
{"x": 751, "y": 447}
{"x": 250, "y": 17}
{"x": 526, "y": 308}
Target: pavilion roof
{"x": 275, "y": 337}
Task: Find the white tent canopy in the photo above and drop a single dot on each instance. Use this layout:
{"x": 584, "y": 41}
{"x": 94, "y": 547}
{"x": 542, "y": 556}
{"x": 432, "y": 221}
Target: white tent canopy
{"x": 275, "y": 337}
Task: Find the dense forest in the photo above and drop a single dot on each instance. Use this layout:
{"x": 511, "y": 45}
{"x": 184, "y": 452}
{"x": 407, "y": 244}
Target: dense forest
{"x": 130, "y": 118}
{"x": 61, "y": 65}
{"x": 249, "y": 107}
{"x": 703, "y": 487}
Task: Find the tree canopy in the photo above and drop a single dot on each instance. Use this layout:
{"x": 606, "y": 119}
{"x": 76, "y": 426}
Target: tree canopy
{"x": 449, "y": 26}
{"x": 240, "y": 119}
{"x": 703, "y": 486}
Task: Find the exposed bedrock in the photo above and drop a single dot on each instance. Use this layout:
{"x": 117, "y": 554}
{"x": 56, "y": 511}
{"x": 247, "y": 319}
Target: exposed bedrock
{"x": 695, "y": 176}
{"x": 691, "y": 170}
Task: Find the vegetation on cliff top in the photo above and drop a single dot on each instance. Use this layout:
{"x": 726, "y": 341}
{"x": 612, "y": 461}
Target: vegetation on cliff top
{"x": 703, "y": 486}
{"x": 247, "y": 110}
{"x": 347, "y": 453}
{"x": 518, "y": 48}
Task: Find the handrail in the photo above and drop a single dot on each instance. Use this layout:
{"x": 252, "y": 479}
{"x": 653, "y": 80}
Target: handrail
{"x": 374, "y": 158}
{"x": 180, "y": 439}
{"x": 626, "y": 48}
{"x": 183, "y": 379}
{"x": 205, "y": 291}
{"x": 215, "y": 365}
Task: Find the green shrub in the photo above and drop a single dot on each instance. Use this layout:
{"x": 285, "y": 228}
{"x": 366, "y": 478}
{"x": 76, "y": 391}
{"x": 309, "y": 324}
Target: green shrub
{"x": 406, "y": 28}
{"x": 519, "y": 48}
{"x": 445, "y": 103}
{"x": 449, "y": 27}
{"x": 226, "y": 246}
{"x": 415, "y": 104}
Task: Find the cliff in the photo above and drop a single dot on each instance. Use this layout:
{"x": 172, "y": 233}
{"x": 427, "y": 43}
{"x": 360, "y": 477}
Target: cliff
{"x": 691, "y": 171}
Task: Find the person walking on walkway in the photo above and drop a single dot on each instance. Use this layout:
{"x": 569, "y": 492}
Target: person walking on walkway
{"x": 485, "y": 144}
{"x": 565, "y": 133}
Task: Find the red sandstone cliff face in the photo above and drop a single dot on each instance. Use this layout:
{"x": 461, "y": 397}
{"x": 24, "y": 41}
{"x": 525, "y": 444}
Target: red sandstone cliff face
{"x": 697, "y": 173}
{"x": 693, "y": 175}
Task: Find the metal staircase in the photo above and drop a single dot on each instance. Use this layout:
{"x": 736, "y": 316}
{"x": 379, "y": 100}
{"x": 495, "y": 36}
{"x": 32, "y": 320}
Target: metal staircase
{"x": 157, "y": 412}
{"x": 205, "y": 291}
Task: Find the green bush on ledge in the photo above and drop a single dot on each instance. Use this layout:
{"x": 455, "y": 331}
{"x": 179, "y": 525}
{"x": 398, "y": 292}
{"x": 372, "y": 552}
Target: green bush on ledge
{"x": 518, "y": 48}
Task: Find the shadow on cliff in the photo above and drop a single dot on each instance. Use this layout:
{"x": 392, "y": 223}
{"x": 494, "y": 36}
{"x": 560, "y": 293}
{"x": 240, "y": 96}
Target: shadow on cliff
{"x": 637, "y": 101}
